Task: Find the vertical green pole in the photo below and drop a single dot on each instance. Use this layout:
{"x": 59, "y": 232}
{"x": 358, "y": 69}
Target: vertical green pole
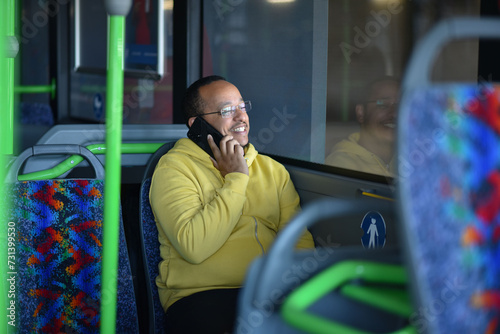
{"x": 3, "y": 223}
{"x": 7, "y": 53}
{"x": 11, "y": 31}
{"x": 7, "y": 70}
{"x": 117, "y": 10}
{"x": 114, "y": 119}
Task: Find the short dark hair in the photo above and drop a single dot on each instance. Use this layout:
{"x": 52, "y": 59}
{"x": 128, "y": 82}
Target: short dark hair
{"x": 192, "y": 103}
{"x": 367, "y": 89}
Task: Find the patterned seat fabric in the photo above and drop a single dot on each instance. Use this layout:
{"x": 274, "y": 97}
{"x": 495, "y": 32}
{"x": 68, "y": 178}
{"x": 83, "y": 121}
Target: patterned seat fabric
{"x": 450, "y": 192}
{"x": 59, "y": 243}
{"x": 150, "y": 243}
{"x": 151, "y": 251}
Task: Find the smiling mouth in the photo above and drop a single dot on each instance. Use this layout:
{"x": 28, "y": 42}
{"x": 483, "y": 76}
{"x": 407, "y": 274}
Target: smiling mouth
{"x": 241, "y": 128}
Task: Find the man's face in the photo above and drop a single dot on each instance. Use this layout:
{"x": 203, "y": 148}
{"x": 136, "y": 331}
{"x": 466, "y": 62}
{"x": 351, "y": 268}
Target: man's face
{"x": 378, "y": 116}
{"x": 220, "y": 94}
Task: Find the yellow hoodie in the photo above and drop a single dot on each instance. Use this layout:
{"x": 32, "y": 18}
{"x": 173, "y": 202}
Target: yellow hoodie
{"x": 349, "y": 154}
{"x": 211, "y": 227}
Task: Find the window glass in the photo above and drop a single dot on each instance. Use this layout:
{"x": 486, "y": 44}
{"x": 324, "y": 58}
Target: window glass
{"x": 312, "y": 70}
{"x": 275, "y": 53}
{"x": 368, "y": 47}
{"x": 33, "y": 112}
{"x": 148, "y": 80}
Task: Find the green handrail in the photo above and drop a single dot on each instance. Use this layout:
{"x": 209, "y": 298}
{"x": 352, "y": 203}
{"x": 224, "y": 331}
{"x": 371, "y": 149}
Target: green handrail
{"x": 7, "y": 54}
{"x": 128, "y": 148}
{"x": 72, "y": 161}
{"x": 38, "y": 89}
{"x": 295, "y": 307}
{"x": 7, "y": 70}
{"x": 3, "y": 224}
{"x": 112, "y": 179}
{"x": 114, "y": 121}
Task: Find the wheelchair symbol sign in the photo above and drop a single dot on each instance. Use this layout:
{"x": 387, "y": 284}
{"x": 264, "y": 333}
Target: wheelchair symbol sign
{"x": 374, "y": 228}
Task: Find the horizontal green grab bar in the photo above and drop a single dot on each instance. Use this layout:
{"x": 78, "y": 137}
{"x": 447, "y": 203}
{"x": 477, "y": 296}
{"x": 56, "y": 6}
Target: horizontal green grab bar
{"x": 74, "y": 160}
{"x": 38, "y": 89}
{"x": 295, "y": 309}
{"x": 128, "y": 148}
{"x": 395, "y": 300}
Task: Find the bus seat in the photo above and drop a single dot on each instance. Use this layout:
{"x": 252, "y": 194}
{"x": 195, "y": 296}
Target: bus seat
{"x": 150, "y": 244}
{"x": 58, "y": 242}
{"x": 449, "y": 189}
{"x": 271, "y": 300}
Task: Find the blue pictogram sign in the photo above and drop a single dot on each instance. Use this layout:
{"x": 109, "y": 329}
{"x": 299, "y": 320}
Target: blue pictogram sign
{"x": 373, "y": 226}
{"x": 98, "y": 106}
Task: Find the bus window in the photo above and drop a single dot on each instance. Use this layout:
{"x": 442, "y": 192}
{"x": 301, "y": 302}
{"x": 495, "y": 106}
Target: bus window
{"x": 35, "y": 112}
{"x": 275, "y": 52}
{"x": 303, "y": 64}
{"x": 148, "y": 80}
{"x": 306, "y": 65}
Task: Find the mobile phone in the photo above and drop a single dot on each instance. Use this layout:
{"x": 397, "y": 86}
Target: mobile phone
{"x": 198, "y": 133}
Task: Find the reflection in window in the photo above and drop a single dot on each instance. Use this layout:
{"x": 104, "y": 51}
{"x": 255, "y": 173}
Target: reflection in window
{"x": 371, "y": 148}
{"x": 368, "y": 41}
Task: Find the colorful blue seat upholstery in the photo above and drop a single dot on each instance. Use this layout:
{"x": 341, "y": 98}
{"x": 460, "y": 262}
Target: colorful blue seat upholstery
{"x": 449, "y": 198}
{"x": 150, "y": 243}
{"x": 58, "y": 226}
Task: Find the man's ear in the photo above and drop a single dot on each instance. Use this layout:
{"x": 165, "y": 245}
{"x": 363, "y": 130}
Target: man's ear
{"x": 191, "y": 120}
{"x": 360, "y": 113}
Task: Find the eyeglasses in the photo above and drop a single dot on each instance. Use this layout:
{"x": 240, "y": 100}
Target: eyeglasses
{"x": 227, "y": 112}
{"x": 384, "y": 104}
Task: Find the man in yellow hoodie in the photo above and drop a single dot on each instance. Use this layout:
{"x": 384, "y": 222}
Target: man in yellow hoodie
{"x": 371, "y": 150}
{"x": 214, "y": 216}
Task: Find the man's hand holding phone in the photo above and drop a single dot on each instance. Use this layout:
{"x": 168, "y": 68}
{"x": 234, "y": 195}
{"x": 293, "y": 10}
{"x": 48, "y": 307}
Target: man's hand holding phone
{"x": 229, "y": 158}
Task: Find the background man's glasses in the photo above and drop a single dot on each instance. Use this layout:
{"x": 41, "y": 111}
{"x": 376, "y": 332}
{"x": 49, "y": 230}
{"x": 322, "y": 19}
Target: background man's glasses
{"x": 384, "y": 104}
